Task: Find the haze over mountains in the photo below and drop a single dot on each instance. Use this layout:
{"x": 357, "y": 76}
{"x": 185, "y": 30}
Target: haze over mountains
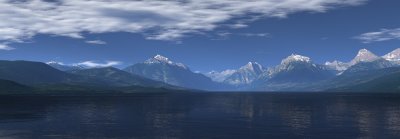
{"x": 294, "y": 73}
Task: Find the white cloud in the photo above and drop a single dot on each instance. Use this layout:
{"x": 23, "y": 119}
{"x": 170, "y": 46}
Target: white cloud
{"x": 100, "y": 42}
{"x": 255, "y": 34}
{"x": 5, "y": 47}
{"x": 227, "y": 35}
{"x": 224, "y": 35}
{"x": 156, "y": 19}
{"x": 238, "y": 25}
{"x": 378, "y": 36}
{"x": 92, "y": 64}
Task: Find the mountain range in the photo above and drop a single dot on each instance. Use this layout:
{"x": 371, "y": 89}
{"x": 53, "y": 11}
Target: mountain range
{"x": 160, "y": 68}
{"x": 243, "y": 76}
{"x": 365, "y": 72}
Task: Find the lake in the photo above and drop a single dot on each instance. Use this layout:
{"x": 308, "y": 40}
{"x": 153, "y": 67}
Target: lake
{"x": 202, "y": 116}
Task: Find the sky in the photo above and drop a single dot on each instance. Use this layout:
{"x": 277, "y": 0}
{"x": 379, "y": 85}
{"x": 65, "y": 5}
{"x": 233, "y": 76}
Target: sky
{"x": 203, "y": 34}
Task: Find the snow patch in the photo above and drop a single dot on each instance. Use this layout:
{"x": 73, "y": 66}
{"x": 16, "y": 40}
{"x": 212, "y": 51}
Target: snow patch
{"x": 159, "y": 59}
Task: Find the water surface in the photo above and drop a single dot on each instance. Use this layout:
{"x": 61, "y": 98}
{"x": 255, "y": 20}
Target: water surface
{"x": 201, "y": 115}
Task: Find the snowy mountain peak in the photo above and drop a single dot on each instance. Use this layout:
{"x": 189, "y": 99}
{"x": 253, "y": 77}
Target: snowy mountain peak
{"x": 162, "y": 59}
{"x": 393, "y": 56}
{"x": 364, "y": 55}
{"x": 245, "y": 74}
{"x": 333, "y": 62}
{"x": 296, "y": 58}
{"x": 158, "y": 59}
{"x": 252, "y": 66}
{"x": 363, "y": 51}
{"x": 253, "y": 63}
{"x": 220, "y": 76}
{"x": 337, "y": 65}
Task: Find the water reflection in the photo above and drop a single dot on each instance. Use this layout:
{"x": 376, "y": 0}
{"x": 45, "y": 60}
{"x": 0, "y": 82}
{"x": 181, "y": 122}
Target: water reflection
{"x": 236, "y": 115}
{"x": 392, "y": 122}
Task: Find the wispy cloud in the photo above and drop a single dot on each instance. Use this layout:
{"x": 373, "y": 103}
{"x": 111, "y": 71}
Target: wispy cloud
{"x": 100, "y": 42}
{"x": 5, "y": 47}
{"x": 255, "y": 34}
{"x": 93, "y": 64}
{"x": 238, "y": 25}
{"x": 227, "y": 35}
{"x": 156, "y": 19}
{"x": 378, "y": 36}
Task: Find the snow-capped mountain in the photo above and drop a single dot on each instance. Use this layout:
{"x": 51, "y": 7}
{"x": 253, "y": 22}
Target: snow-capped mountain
{"x": 298, "y": 68}
{"x": 373, "y": 65}
{"x": 159, "y": 59}
{"x": 294, "y": 73}
{"x": 160, "y": 68}
{"x": 364, "y": 55}
{"x": 245, "y": 74}
{"x": 291, "y": 62}
{"x": 393, "y": 56}
{"x": 366, "y": 60}
{"x": 220, "y": 76}
{"x": 337, "y": 65}
{"x": 295, "y": 58}
{"x": 63, "y": 67}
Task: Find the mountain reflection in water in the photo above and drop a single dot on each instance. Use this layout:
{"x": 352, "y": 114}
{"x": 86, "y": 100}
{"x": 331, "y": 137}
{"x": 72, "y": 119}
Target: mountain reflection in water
{"x": 201, "y": 115}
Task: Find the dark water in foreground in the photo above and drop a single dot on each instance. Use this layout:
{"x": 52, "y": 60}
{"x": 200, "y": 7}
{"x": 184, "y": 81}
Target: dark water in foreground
{"x": 194, "y": 115}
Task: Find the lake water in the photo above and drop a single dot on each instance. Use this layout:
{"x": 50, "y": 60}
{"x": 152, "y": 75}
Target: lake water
{"x": 202, "y": 116}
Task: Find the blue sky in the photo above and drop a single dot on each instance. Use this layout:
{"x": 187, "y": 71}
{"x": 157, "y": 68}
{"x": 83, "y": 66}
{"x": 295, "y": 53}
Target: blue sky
{"x": 203, "y": 34}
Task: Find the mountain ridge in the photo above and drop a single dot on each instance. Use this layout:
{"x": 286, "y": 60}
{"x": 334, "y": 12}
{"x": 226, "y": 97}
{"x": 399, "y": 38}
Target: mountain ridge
{"x": 295, "y": 72}
{"x": 162, "y": 69}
